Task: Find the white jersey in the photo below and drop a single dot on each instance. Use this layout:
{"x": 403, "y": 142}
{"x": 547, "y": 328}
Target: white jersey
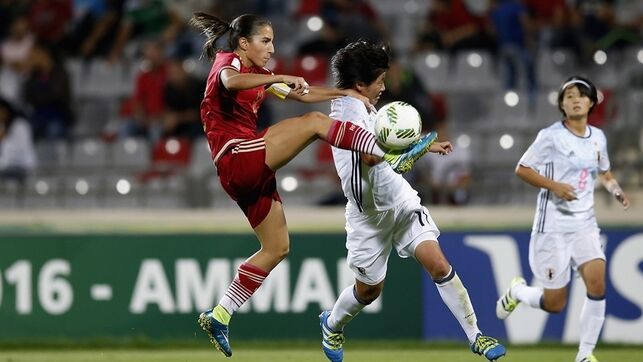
{"x": 562, "y": 156}
{"x": 368, "y": 189}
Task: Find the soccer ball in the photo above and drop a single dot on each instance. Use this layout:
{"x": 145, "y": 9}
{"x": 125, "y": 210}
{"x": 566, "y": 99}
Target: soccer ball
{"x": 397, "y": 125}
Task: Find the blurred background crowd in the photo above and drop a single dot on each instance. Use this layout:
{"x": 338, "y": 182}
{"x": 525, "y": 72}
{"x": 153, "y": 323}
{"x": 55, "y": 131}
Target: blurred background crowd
{"x": 99, "y": 99}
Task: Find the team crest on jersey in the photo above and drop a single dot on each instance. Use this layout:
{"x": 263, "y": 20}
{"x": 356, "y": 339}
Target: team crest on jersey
{"x": 550, "y": 273}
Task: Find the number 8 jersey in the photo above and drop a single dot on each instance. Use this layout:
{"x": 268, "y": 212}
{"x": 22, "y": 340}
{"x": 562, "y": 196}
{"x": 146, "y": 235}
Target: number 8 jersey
{"x": 562, "y": 156}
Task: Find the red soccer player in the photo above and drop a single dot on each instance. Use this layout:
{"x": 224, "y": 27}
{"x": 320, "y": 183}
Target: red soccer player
{"x": 246, "y": 161}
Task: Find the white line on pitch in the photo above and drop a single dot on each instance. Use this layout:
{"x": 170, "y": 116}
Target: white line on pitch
{"x": 101, "y": 292}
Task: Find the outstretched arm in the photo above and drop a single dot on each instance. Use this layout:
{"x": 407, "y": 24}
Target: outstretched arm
{"x": 610, "y": 183}
{"x": 235, "y": 81}
{"x": 322, "y": 94}
{"x": 561, "y": 190}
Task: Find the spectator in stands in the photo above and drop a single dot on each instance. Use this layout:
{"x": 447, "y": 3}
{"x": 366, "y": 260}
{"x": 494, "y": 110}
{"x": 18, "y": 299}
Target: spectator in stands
{"x": 187, "y": 41}
{"x": 451, "y": 26}
{"x": 510, "y": 23}
{"x": 182, "y": 95}
{"x": 94, "y": 27}
{"x": 144, "y": 20}
{"x": 344, "y": 21}
{"x": 48, "y": 19}
{"x": 402, "y": 84}
{"x": 553, "y": 24}
{"x": 47, "y": 95}
{"x": 17, "y": 153}
{"x": 148, "y": 102}
{"x": 14, "y": 52}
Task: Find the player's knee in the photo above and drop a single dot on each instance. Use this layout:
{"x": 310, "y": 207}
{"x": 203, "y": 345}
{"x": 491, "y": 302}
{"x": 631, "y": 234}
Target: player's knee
{"x": 554, "y": 305}
{"x": 369, "y": 295}
{"x": 595, "y": 287}
{"x": 439, "y": 269}
{"x": 278, "y": 252}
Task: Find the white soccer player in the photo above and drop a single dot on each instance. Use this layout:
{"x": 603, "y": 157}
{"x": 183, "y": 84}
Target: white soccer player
{"x": 384, "y": 211}
{"x": 564, "y": 162}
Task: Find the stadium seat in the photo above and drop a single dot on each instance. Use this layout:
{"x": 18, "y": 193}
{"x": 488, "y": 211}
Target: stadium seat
{"x": 131, "y": 153}
{"x": 475, "y": 72}
{"x": 52, "y": 155}
{"x": 122, "y": 191}
{"x": 89, "y": 153}
{"x": 313, "y": 68}
{"x": 43, "y": 191}
{"x": 554, "y": 66}
{"x": 82, "y": 192}
{"x": 433, "y": 70}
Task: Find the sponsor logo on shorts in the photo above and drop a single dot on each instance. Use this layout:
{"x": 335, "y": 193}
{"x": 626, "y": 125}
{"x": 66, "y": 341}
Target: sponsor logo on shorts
{"x": 361, "y": 270}
{"x": 550, "y": 273}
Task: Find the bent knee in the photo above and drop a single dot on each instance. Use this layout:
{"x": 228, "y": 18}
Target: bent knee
{"x": 369, "y": 295}
{"x": 555, "y": 305}
{"x": 439, "y": 269}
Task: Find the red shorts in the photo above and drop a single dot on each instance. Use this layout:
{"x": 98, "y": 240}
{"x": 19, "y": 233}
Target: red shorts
{"x": 245, "y": 176}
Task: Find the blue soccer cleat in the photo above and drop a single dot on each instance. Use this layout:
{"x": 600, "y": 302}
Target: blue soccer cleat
{"x": 332, "y": 342}
{"x": 402, "y": 161}
{"x": 488, "y": 347}
{"x": 217, "y": 331}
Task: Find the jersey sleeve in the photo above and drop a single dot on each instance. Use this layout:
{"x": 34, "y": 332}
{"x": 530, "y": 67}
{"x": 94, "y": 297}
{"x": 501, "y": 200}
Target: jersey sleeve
{"x": 539, "y": 152}
{"x": 603, "y": 157}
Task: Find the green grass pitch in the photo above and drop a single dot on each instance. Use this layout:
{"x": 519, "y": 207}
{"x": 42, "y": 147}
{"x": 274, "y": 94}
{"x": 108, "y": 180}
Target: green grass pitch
{"x": 515, "y": 354}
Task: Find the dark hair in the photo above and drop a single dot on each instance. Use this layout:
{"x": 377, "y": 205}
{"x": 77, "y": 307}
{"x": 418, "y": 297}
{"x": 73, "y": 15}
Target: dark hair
{"x": 360, "y": 61}
{"x": 585, "y": 87}
{"x": 244, "y": 26}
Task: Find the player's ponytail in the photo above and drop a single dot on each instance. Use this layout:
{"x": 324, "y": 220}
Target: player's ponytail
{"x": 214, "y": 28}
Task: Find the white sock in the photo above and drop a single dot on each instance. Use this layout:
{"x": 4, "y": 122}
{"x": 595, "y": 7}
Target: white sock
{"x": 528, "y": 295}
{"x": 592, "y": 317}
{"x": 345, "y": 309}
{"x": 456, "y": 297}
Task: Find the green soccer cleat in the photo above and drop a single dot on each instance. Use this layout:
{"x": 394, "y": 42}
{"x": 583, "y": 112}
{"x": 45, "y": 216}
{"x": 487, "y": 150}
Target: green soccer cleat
{"x": 507, "y": 303}
{"x": 217, "y": 331}
{"x": 488, "y": 347}
{"x": 588, "y": 358}
{"x": 402, "y": 161}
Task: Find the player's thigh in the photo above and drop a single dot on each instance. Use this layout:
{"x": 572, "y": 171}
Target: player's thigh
{"x": 287, "y": 138}
{"x": 550, "y": 259}
{"x": 369, "y": 244}
{"x": 429, "y": 254}
{"x": 413, "y": 226}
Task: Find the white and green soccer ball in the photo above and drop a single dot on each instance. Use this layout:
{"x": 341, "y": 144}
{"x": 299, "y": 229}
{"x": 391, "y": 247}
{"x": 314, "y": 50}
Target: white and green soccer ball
{"x": 397, "y": 125}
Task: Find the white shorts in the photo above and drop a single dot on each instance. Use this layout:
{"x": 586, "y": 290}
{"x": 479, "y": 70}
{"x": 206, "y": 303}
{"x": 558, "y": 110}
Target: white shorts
{"x": 370, "y": 237}
{"x": 552, "y": 255}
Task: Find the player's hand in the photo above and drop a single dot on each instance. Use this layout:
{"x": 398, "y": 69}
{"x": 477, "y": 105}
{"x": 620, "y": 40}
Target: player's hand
{"x": 367, "y": 102}
{"x": 442, "y": 148}
{"x": 564, "y": 191}
{"x": 623, "y": 199}
{"x": 297, "y": 84}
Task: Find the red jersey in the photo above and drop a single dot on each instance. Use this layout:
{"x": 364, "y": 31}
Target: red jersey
{"x": 230, "y": 116}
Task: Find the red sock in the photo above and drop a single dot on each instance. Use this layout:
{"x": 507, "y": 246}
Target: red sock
{"x": 249, "y": 278}
{"x": 349, "y": 136}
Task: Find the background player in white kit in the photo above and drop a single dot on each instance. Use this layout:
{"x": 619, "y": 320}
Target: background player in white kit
{"x": 564, "y": 162}
{"x": 384, "y": 211}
